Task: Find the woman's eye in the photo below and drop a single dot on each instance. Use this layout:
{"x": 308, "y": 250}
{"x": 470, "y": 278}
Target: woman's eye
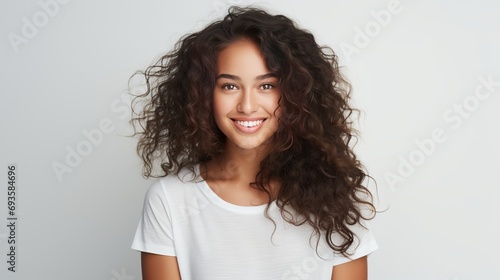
{"x": 267, "y": 86}
{"x": 229, "y": 86}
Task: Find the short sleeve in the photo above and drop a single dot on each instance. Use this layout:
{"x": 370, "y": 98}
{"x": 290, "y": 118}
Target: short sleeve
{"x": 364, "y": 244}
{"x": 154, "y": 233}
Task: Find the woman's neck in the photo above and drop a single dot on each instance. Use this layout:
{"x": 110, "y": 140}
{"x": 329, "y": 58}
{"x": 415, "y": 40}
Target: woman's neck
{"x": 237, "y": 165}
{"x": 230, "y": 174}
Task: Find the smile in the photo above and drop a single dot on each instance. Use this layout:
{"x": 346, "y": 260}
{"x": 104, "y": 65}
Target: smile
{"x": 249, "y": 123}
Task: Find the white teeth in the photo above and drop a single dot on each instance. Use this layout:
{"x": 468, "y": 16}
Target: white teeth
{"x": 249, "y": 123}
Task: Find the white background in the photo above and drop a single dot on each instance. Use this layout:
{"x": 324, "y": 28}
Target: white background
{"x": 68, "y": 75}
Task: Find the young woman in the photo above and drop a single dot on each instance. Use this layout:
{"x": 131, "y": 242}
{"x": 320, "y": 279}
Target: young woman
{"x": 250, "y": 123}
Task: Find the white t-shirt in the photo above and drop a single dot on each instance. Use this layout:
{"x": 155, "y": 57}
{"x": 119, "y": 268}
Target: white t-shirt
{"x": 214, "y": 239}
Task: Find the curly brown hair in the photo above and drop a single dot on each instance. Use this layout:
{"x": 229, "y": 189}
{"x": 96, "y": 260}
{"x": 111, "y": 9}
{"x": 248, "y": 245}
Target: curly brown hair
{"x": 311, "y": 157}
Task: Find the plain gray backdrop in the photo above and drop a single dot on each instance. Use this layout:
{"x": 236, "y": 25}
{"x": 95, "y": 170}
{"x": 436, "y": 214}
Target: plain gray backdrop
{"x": 425, "y": 74}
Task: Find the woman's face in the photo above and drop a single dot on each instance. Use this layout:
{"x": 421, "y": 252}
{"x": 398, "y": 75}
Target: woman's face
{"x": 246, "y": 96}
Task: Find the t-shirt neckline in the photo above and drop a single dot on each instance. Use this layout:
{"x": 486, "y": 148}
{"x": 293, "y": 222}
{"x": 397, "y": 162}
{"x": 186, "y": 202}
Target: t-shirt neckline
{"x": 217, "y": 200}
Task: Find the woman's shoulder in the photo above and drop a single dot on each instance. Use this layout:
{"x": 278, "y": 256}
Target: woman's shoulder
{"x": 186, "y": 176}
{"x": 175, "y": 183}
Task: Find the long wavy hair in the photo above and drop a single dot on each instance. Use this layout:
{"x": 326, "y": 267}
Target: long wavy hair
{"x": 311, "y": 156}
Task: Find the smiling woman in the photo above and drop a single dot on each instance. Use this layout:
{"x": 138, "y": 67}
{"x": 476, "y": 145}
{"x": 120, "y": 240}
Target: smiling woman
{"x": 246, "y": 97}
{"x": 250, "y": 123}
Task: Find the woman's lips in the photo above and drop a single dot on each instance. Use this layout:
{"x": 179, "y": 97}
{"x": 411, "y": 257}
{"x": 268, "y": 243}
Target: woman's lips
{"x": 248, "y": 126}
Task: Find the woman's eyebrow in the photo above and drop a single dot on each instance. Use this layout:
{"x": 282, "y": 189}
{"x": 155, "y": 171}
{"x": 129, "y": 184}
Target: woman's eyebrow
{"x": 236, "y": 78}
{"x": 265, "y": 76}
{"x": 229, "y": 76}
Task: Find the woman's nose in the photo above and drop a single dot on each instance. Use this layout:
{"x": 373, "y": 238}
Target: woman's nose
{"x": 247, "y": 103}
